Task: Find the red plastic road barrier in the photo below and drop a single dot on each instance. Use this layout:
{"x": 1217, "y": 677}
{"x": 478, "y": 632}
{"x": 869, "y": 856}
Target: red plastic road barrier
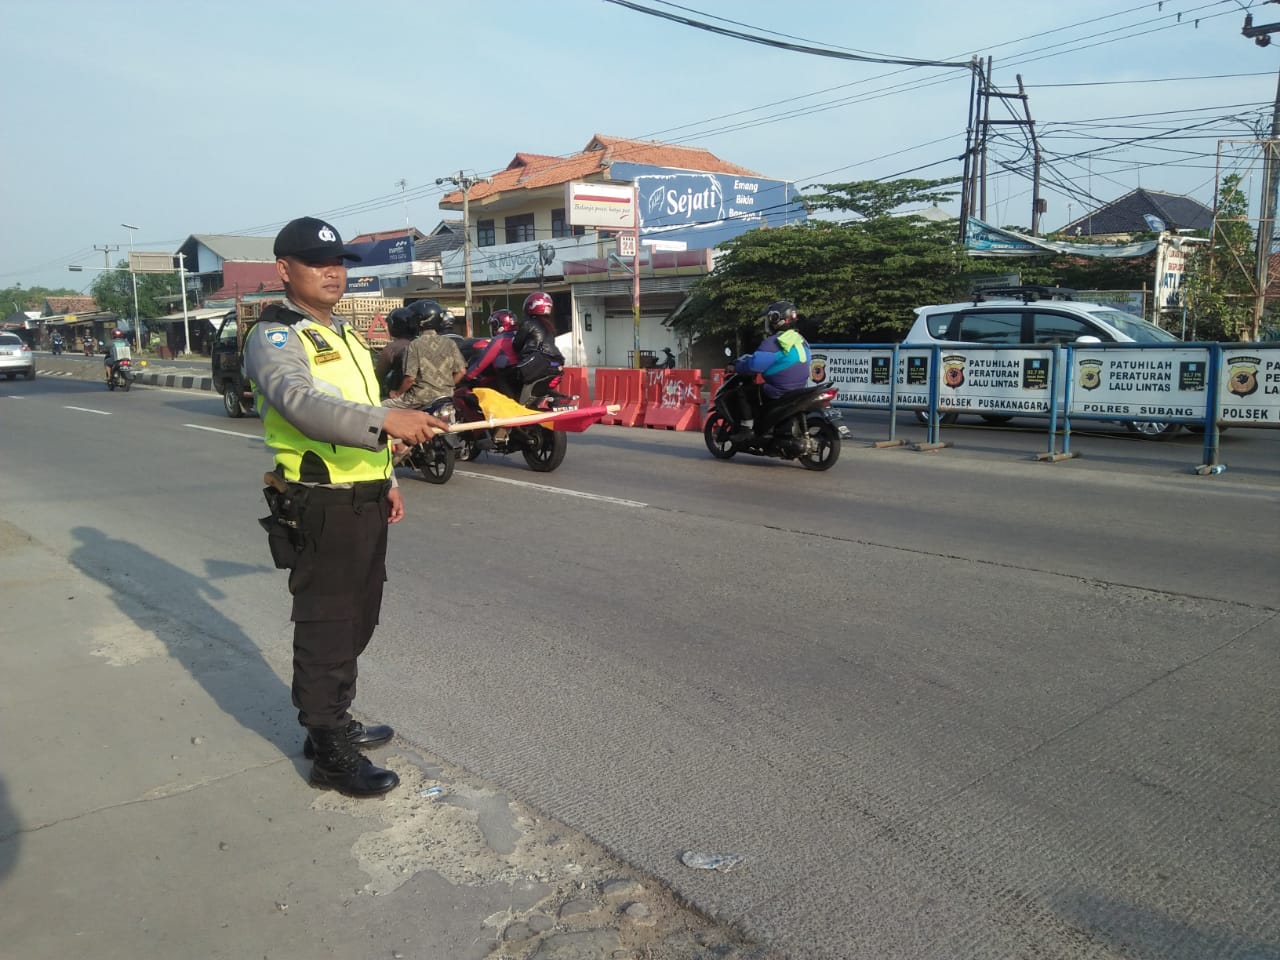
{"x": 625, "y": 388}
{"x": 675, "y": 399}
{"x": 574, "y": 382}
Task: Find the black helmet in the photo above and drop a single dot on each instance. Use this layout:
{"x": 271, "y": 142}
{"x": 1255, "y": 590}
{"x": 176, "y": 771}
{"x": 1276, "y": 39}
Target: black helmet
{"x": 402, "y": 325}
{"x": 780, "y": 316}
{"x": 428, "y": 313}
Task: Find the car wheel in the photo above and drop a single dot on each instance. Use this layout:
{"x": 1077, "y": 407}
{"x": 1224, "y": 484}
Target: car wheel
{"x": 922, "y": 417}
{"x": 231, "y": 401}
{"x": 31, "y": 374}
{"x": 995, "y": 419}
{"x": 1153, "y": 429}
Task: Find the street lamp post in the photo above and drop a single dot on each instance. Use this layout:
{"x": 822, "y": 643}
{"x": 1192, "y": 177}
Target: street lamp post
{"x": 182, "y": 278}
{"x": 137, "y": 334}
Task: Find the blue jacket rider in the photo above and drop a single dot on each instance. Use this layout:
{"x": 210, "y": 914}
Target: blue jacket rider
{"x": 783, "y": 359}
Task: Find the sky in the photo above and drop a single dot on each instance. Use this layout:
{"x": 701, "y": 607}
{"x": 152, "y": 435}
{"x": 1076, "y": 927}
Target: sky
{"x": 236, "y": 116}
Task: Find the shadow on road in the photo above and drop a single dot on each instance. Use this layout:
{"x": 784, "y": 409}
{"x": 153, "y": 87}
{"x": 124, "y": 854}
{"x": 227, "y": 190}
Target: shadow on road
{"x": 180, "y": 610}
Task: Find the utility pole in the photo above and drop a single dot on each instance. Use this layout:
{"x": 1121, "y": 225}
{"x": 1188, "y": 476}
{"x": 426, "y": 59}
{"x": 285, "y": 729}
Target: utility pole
{"x": 1261, "y": 35}
{"x": 1037, "y": 205}
{"x": 986, "y": 122}
{"x": 408, "y": 232}
{"x": 966, "y": 207}
{"x": 465, "y": 183}
{"x": 106, "y": 249}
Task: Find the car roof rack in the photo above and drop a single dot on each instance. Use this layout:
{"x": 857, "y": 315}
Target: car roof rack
{"x": 1026, "y": 293}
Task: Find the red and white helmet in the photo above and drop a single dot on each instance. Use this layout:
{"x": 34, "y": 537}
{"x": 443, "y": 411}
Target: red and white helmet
{"x": 538, "y": 305}
{"x": 502, "y": 321}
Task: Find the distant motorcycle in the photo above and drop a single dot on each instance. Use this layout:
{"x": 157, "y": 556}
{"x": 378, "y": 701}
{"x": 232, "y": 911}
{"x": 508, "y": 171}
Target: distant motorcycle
{"x": 56, "y": 344}
{"x": 122, "y": 375}
{"x": 796, "y": 426}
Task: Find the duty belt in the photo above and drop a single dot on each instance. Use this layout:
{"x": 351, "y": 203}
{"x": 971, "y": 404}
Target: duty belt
{"x": 363, "y": 491}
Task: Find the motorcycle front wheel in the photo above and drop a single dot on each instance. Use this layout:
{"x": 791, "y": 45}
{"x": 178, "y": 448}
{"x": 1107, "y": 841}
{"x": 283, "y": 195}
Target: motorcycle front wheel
{"x": 544, "y": 449}
{"x": 827, "y": 437}
{"x": 434, "y": 461}
{"x": 716, "y": 434}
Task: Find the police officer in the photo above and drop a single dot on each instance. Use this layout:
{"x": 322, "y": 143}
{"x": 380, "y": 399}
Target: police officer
{"x": 313, "y": 382}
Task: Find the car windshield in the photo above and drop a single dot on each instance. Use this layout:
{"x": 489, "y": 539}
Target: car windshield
{"x": 1137, "y": 329}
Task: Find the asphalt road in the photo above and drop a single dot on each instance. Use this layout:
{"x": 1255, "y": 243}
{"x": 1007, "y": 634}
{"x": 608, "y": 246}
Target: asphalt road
{"x": 951, "y": 705}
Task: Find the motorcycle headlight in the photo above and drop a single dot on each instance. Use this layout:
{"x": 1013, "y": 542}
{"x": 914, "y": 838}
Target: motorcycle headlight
{"x": 448, "y": 413}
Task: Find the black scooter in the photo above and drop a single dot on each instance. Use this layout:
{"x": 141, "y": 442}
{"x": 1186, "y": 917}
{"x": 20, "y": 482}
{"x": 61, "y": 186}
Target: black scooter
{"x": 122, "y": 375}
{"x": 796, "y": 426}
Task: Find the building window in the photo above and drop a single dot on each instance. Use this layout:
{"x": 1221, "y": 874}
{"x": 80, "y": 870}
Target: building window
{"x": 520, "y": 229}
{"x": 485, "y": 234}
{"x": 559, "y": 228}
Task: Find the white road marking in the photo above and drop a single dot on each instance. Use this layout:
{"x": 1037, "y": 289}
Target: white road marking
{"x": 14, "y": 396}
{"x": 541, "y": 486}
{"x": 229, "y": 433}
{"x": 101, "y": 413}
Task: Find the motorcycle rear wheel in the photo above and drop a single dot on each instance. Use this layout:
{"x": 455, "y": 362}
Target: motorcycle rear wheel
{"x": 716, "y": 434}
{"x": 544, "y": 449}
{"x": 125, "y": 383}
{"x": 111, "y": 384}
{"x": 828, "y": 440}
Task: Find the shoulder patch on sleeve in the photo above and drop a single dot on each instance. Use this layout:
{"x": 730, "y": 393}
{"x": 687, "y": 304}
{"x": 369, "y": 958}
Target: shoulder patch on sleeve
{"x": 277, "y": 338}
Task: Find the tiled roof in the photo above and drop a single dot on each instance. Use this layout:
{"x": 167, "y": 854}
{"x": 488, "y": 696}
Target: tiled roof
{"x": 418, "y": 236}
{"x": 528, "y": 171}
{"x": 1125, "y": 215}
{"x": 57, "y": 306}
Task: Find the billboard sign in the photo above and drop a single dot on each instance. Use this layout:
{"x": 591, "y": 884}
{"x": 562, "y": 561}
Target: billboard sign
{"x": 608, "y": 206}
{"x": 141, "y": 261}
{"x": 1249, "y": 386}
{"x": 363, "y": 287}
{"x": 1152, "y": 382}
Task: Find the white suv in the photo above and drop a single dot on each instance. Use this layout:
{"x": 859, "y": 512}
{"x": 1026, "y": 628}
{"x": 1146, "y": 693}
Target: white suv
{"x": 16, "y": 357}
{"x": 1031, "y": 315}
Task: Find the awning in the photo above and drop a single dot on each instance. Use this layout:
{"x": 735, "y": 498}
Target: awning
{"x": 213, "y": 317}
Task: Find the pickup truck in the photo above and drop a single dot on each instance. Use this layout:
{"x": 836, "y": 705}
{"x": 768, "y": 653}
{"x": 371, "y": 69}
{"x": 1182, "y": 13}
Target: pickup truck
{"x": 228, "y": 365}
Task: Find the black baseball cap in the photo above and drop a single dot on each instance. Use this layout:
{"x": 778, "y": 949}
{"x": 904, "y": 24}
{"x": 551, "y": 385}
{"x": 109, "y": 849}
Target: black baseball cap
{"x": 311, "y": 240}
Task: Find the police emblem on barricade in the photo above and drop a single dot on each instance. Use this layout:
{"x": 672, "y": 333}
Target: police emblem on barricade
{"x": 953, "y": 371}
{"x": 1090, "y": 374}
{"x": 818, "y": 368}
{"x": 278, "y": 338}
{"x": 1242, "y": 375}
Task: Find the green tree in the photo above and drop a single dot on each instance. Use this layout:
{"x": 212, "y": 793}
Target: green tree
{"x": 18, "y": 298}
{"x": 1219, "y": 275}
{"x": 113, "y": 289}
{"x": 872, "y": 199}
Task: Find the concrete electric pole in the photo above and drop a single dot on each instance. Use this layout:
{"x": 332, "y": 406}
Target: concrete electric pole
{"x": 1261, "y": 35}
{"x": 465, "y": 183}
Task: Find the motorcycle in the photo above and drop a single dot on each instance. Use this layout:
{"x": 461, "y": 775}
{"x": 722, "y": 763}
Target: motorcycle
{"x": 56, "y": 344}
{"x": 543, "y": 448}
{"x": 122, "y": 375}
{"x": 435, "y": 459}
{"x": 796, "y": 426}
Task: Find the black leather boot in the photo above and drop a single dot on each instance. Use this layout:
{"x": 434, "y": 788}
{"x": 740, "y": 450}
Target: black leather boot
{"x": 340, "y": 766}
{"x": 361, "y": 737}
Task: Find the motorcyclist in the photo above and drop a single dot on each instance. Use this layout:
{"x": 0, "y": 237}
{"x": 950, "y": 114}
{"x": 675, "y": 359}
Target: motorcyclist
{"x": 783, "y": 359}
{"x": 495, "y": 364}
{"x": 57, "y": 343}
{"x": 389, "y": 367}
{"x": 535, "y": 345}
{"x": 432, "y": 363}
{"x": 668, "y": 362}
{"x": 117, "y": 351}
